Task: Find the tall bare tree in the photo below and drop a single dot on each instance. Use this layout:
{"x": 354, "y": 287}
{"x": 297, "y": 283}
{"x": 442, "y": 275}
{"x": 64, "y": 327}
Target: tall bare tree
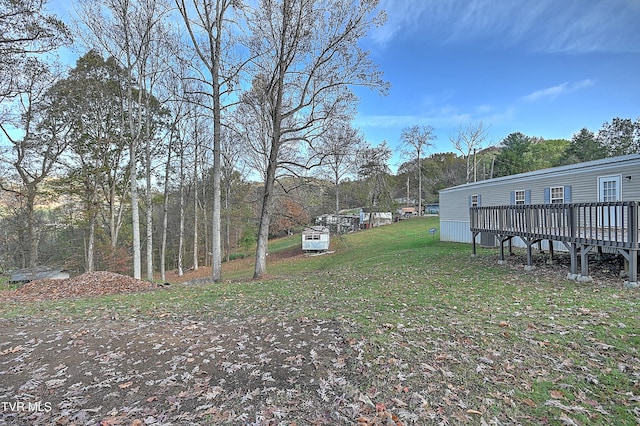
{"x": 208, "y": 24}
{"x": 415, "y": 141}
{"x": 373, "y": 169}
{"x": 338, "y": 149}
{"x": 469, "y": 139}
{"x": 306, "y": 58}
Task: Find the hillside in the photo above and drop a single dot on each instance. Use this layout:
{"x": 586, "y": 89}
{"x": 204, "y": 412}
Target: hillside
{"x": 395, "y": 327}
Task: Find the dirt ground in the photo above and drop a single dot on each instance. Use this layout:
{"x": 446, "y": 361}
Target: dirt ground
{"x": 169, "y": 371}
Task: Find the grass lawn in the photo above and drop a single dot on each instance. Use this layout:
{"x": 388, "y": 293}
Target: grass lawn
{"x": 400, "y": 329}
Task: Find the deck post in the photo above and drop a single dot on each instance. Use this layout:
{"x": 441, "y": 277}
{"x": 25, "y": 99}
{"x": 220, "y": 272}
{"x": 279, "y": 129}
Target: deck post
{"x": 573, "y": 272}
{"x": 530, "y": 242}
{"x": 584, "y": 263}
{"x": 632, "y": 282}
{"x": 633, "y": 252}
{"x": 502, "y": 240}
{"x": 473, "y": 241}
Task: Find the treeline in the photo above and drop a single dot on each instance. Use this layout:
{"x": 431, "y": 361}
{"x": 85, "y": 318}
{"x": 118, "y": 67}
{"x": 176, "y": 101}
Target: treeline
{"x": 171, "y": 103}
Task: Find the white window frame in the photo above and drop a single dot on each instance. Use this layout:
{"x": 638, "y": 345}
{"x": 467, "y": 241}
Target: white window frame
{"x": 556, "y": 194}
{"x": 519, "y": 197}
{"x": 474, "y": 200}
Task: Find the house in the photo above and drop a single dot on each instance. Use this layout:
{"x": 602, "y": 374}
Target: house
{"x": 372, "y": 219}
{"x": 406, "y": 212}
{"x": 598, "y": 195}
{"x": 316, "y": 238}
{"x": 38, "y": 273}
{"x": 339, "y": 223}
{"x": 431, "y": 209}
{"x": 608, "y": 179}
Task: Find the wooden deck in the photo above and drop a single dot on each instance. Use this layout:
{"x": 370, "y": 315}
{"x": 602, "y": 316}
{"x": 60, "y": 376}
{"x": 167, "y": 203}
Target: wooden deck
{"x": 579, "y": 226}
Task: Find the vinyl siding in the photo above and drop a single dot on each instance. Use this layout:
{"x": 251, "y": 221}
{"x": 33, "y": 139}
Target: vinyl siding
{"x": 581, "y": 178}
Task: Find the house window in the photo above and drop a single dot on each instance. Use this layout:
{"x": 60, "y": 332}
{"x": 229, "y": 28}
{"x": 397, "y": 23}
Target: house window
{"x": 474, "y": 200}
{"x": 557, "y": 194}
{"x": 519, "y": 197}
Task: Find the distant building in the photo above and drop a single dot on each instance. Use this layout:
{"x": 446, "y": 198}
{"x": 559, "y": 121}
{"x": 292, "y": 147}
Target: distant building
{"x": 316, "y": 238}
{"x": 373, "y": 219}
{"x": 38, "y": 273}
{"x": 432, "y": 209}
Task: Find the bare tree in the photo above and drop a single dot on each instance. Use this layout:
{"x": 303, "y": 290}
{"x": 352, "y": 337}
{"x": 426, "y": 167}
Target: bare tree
{"x": 306, "y": 57}
{"x": 469, "y": 139}
{"x": 416, "y": 140}
{"x": 338, "y": 149}
{"x": 373, "y": 169}
{"x": 36, "y": 144}
{"x": 208, "y": 24}
{"x": 25, "y": 31}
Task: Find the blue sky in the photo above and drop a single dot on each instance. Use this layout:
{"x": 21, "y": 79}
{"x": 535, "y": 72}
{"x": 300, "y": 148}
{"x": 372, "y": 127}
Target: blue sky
{"x": 546, "y": 68}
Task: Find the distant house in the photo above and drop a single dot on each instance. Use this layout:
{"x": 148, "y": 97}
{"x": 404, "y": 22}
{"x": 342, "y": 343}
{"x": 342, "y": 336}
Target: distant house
{"x": 339, "y": 223}
{"x": 431, "y": 208}
{"x": 38, "y": 273}
{"x": 373, "y": 219}
{"x": 316, "y": 238}
{"x": 406, "y": 212}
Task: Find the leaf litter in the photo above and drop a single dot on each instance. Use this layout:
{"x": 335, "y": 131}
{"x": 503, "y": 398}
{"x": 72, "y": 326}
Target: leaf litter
{"x": 440, "y": 365}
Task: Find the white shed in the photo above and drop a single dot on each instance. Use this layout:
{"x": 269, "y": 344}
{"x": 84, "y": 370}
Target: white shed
{"x": 316, "y": 238}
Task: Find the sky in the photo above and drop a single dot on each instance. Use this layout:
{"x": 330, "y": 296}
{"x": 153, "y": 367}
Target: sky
{"x": 546, "y": 68}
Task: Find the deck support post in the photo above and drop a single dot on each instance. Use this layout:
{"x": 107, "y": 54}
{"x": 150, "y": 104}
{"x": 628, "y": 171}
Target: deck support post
{"x": 632, "y": 282}
{"x": 584, "y": 263}
{"x": 631, "y": 256}
{"x": 530, "y": 242}
{"x": 473, "y": 241}
{"x": 573, "y": 251}
{"x": 503, "y": 239}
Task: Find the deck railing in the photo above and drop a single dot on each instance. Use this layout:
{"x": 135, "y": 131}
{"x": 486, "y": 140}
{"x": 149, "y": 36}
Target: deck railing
{"x": 612, "y": 224}
{"x": 579, "y": 226}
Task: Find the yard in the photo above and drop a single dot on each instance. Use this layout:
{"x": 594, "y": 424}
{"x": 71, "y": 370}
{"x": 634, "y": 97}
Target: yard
{"x": 394, "y": 328}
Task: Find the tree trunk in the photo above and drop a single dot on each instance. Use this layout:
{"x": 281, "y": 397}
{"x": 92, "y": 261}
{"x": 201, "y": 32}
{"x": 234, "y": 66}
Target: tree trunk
{"x": 135, "y": 216}
{"x": 32, "y": 240}
{"x": 337, "y": 184}
{"x": 181, "y": 228}
{"x": 195, "y": 208}
{"x": 89, "y": 265}
{"x": 265, "y": 215}
{"x": 165, "y": 223}
{"x": 216, "y": 228}
{"x": 149, "y": 200}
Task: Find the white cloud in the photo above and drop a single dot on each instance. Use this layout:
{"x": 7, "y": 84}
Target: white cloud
{"x": 551, "y": 93}
{"x": 444, "y": 117}
{"x": 570, "y": 26}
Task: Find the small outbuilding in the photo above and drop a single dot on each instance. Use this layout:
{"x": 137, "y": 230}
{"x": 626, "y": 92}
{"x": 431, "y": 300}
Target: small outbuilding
{"x": 316, "y": 238}
{"x": 38, "y": 273}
